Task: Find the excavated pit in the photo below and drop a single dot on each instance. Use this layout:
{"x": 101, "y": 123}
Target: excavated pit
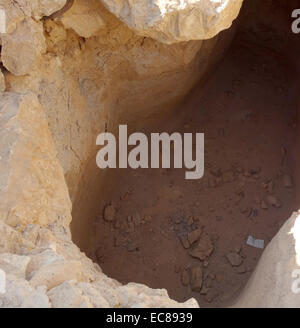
{"x": 248, "y": 110}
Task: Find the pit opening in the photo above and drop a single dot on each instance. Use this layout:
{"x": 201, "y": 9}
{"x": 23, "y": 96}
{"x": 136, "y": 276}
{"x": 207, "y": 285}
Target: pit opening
{"x": 248, "y": 110}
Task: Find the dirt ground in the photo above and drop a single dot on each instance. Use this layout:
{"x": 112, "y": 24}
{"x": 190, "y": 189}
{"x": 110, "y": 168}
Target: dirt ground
{"x": 249, "y": 119}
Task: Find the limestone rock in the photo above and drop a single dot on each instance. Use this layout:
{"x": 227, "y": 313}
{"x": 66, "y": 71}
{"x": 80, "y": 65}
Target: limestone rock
{"x": 32, "y": 186}
{"x": 66, "y": 295}
{"x": 22, "y": 48}
{"x": 42, "y": 8}
{"x": 234, "y": 259}
{"x": 55, "y": 273}
{"x": 97, "y": 300}
{"x": 203, "y": 248}
{"x": 108, "y": 291}
{"x": 194, "y": 236}
{"x": 14, "y": 264}
{"x": 176, "y": 21}
{"x": 84, "y": 18}
{"x": 19, "y": 294}
{"x": 137, "y": 295}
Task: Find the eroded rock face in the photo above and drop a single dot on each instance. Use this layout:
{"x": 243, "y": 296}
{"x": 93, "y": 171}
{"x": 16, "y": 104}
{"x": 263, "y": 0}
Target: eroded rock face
{"x": 175, "y": 21}
{"x": 21, "y": 48}
{"x": 84, "y": 18}
{"x": 32, "y": 187}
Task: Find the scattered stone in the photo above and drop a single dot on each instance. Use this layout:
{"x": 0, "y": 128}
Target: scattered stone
{"x": 287, "y": 181}
{"x": 109, "y": 213}
{"x": 234, "y": 259}
{"x": 190, "y": 220}
{"x": 274, "y": 201}
{"x": 184, "y": 241}
{"x": 196, "y": 279}
{"x": 205, "y": 264}
{"x": 185, "y": 277}
{"x": 203, "y": 248}
{"x": 194, "y": 236}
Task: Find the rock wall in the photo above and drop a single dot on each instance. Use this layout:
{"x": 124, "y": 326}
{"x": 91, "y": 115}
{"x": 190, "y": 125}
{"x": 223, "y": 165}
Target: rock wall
{"x": 176, "y": 21}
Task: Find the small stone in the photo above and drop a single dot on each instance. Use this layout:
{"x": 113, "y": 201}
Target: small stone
{"x": 109, "y": 213}
{"x": 194, "y": 236}
{"x": 184, "y": 241}
{"x": 203, "y": 248}
{"x": 205, "y": 264}
{"x": 190, "y": 220}
{"x": 274, "y": 201}
{"x": 185, "y": 277}
{"x": 234, "y": 259}
{"x": 196, "y": 279}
